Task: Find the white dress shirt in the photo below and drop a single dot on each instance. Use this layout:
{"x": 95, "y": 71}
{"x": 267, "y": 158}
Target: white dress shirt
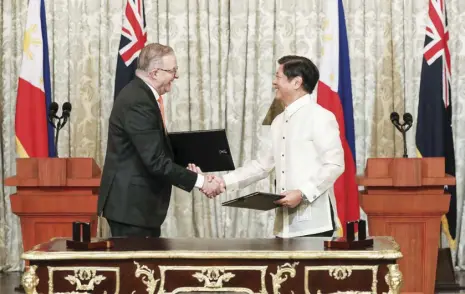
{"x": 308, "y": 156}
{"x": 200, "y": 178}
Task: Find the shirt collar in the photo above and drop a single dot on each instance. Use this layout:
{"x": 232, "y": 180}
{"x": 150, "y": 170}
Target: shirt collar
{"x": 155, "y": 93}
{"x": 296, "y": 105}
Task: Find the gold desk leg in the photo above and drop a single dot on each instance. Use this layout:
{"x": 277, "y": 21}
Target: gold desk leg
{"x": 394, "y": 279}
{"x": 30, "y": 280}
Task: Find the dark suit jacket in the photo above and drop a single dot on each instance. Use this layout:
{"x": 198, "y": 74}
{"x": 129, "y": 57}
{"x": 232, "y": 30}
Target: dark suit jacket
{"x": 139, "y": 170}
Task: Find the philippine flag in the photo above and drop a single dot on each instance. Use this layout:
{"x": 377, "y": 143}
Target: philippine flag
{"x": 335, "y": 94}
{"x": 34, "y": 136}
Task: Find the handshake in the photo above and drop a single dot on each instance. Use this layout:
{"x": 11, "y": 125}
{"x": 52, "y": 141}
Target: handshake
{"x": 212, "y": 186}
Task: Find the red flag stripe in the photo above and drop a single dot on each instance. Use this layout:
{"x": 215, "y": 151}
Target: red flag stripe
{"x": 30, "y": 123}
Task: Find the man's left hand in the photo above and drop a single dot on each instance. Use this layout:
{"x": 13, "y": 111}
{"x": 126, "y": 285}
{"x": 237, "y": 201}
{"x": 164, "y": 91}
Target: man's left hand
{"x": 292, "y": 198}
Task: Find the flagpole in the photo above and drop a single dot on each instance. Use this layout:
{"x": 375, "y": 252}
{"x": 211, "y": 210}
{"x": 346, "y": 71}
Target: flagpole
{"x": 440, "y": 235}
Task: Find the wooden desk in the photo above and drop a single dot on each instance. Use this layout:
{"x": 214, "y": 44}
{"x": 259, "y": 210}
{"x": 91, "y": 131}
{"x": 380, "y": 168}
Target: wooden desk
{"x": 144, "y": 265}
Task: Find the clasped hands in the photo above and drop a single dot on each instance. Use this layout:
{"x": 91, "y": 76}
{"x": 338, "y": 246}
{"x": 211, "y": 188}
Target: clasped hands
{"x": 212, "y": 186}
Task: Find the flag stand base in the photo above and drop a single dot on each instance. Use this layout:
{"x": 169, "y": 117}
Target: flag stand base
{"x": 19, "y": 289}
{"x": 445, "y": 275}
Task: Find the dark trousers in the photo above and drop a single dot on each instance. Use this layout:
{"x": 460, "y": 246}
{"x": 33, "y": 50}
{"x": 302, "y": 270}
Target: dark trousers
{"x": 125, "y": 230}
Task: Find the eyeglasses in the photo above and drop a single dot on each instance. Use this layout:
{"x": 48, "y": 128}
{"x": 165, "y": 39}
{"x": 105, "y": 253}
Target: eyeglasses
{"x": 173, "y": 71}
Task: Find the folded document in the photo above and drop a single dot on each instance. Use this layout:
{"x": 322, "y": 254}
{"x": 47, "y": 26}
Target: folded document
{"x": 256, "y": 200}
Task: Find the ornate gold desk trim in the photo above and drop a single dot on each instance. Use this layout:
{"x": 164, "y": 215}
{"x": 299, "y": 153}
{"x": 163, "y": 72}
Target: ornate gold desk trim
{"x": 29, "y": 280}
{"x": 212, "y": 278}
{"x": 280, "y": 276}
{"x": 36, "y": 254}
{"x": 148, "y": 277}
{"x": 293, "y": 255}
{"x": 394, "y": 279}
{"x": 341, "y": 272}
{"x": 82, "y": 274}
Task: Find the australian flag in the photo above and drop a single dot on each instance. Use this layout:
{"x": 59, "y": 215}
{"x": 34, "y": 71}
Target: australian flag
{"x": 133, "y": 38}
{"x": 434, "y": 126}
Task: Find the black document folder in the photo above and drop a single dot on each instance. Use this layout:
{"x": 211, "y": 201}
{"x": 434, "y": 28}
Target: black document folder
{"x": 256, "y": 200}
{"x": 209, "y": 150}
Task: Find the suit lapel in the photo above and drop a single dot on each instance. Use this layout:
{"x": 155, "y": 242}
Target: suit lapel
{"x": 168, "y": 142}
{"x": 149, "y": 92}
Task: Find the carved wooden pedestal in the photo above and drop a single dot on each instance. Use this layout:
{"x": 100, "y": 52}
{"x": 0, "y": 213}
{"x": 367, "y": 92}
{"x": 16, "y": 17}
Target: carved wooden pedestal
{"x": 404, "y": 198}
{"x": 51, "y": 194}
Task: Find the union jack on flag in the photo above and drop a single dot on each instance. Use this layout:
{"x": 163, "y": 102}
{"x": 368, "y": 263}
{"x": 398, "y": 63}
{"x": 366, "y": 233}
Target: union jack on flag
{"x": 436, "y": 46}
{"x": 434, "y": 137}
{"x": 133, "y": 38}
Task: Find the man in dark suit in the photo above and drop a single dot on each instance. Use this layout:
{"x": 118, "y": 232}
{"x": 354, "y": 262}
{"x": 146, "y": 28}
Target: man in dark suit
{"x": 139, "y": 171}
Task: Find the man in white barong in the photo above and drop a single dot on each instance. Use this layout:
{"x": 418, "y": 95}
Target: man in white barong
{"x": 306, "y": 152}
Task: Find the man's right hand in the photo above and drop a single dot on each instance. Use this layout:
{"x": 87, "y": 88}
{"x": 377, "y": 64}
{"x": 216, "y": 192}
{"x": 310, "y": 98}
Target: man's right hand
{"x": 194, "y": 168}
{"x": 212, "y": 186}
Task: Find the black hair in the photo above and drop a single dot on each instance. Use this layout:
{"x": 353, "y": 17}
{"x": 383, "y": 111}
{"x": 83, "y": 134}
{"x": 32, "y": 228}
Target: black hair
{"x": 299, "y": 66}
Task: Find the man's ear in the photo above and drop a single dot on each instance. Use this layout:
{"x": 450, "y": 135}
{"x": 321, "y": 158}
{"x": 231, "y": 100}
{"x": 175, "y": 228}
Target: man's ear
{"x": 297, "y": 82}
{"x": 154, "y": 73}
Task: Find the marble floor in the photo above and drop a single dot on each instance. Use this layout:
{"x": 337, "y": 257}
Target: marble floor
{"x": 460, "y": 279}
{"x": 8, "y": 282}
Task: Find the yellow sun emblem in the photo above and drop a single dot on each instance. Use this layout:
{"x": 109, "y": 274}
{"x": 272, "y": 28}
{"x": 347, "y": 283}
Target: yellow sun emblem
{"x": 327, "y": 36}
{"x": 29, "y": 40}
{"x": 325, "y": 24}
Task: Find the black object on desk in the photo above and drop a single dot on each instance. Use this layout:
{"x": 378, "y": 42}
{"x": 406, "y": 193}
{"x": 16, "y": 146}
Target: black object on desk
{"x": 81, "y": 239}
{"x": 350, "y": 242}
{"x": 208, "y": 150}
{"x": 256, "y": 200}
{"x": 81, "y": 232}
{"x": 350, "y": 231}
{"x": 362, "y": 230}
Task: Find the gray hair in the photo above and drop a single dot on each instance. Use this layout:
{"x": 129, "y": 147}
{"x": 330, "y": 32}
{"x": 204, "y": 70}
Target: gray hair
{"x": 151, "y": 55}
